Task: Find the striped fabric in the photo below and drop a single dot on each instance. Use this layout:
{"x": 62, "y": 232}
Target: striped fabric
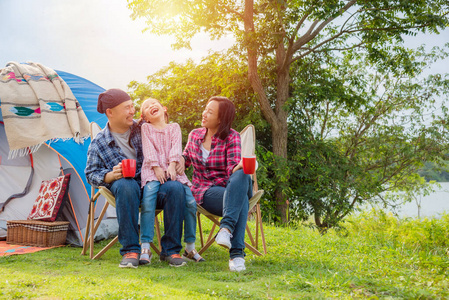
{"x": 38, "y": 106}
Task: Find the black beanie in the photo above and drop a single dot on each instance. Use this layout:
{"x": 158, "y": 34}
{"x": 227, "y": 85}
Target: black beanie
{"x": 110, "y": 99}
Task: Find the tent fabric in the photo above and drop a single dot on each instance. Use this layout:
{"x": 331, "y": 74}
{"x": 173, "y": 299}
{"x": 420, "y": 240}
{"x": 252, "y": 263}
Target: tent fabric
{"x": 51, "y": 160}
{"x": 38, "y": 106}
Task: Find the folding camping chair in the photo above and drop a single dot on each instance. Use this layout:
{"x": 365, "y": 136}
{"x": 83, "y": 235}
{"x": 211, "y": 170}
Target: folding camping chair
{"x": 248, "y": 140}
{"x": 110, "y": 200}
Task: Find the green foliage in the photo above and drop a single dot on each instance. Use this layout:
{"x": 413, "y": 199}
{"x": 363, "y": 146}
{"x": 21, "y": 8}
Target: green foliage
{"x": 436, "y": 172}
{"x": 185, "y": 89}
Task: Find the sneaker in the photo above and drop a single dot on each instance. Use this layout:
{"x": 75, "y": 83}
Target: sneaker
{"x": 223, "y": 238}
{"x": 145, "y": 256}
{"x": 237, "y": 264}
{"x": 192, "y": 256}
{"x": 174, "y": 260}
{"x": 130, "y": 260}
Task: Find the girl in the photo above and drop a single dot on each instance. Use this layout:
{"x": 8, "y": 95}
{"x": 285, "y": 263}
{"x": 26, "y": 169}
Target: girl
{"x": 219, "y": 184}
{"x": 162, "y": 148}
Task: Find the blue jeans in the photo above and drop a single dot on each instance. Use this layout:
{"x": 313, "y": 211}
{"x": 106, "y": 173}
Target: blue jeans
{"x": 231, "y": 202}
{"x": 127, "y": 194}
{"x": 149, "y": 208}
{"x": 170, "y": 198}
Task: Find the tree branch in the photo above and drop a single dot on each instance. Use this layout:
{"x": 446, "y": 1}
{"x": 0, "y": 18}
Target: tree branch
{"x": 253, "y": 75}
{"x": 298, "y": 46}
{"x": 311, "y": 35}
{"x": 233, "y": 11}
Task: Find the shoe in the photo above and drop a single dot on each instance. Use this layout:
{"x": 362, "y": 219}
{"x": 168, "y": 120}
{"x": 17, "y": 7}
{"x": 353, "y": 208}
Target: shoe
{"x": 143, "y": 256}
{"x": 191, "y": 256}
{"x": 223, "y": 238}
{"x": 130, "y": 260}
{"x": 174, "y": 260}
{"x": 237, "y": 264}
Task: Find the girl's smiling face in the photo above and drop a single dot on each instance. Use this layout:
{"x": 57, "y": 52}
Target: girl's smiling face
{"x": 152, "y": 110}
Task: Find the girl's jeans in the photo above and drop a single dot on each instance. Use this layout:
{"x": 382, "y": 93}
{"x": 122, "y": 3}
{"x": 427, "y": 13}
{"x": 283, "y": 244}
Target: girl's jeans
{"x": 148, "y": 210}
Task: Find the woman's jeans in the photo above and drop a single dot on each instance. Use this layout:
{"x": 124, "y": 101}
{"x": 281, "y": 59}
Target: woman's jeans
{"x": 170, "y": 198}
{"x": 232, "y": 203}
{"x": 148, "y": 211}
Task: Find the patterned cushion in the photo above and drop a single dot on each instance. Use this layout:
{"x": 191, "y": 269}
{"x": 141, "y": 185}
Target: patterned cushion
{"x": 51, "y": 198}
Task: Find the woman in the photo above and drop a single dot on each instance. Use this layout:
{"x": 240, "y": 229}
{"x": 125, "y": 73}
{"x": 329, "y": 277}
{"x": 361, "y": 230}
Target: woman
{"x": 218, "y": 182}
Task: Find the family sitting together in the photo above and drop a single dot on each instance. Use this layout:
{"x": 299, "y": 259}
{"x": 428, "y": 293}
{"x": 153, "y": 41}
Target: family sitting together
{"x": 218, "y": 182}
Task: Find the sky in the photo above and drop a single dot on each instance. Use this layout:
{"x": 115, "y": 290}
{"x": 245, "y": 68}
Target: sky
{"x": 98, "y": 40}
{"x": 94, "y": 39}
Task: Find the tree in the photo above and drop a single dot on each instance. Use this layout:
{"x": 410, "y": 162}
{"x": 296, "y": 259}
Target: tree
{"x": 279, "y": 35}
{"x": 351, "y": 154}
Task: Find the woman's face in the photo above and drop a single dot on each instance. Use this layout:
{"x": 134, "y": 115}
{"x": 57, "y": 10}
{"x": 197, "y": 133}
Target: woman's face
{"x": 210, "y": 116}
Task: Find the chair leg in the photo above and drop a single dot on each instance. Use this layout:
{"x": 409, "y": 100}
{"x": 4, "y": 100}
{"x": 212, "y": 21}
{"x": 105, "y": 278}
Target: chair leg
{"x": 92, "y": 231}
{"x": 211, "y": 234}
{"x": 95, "y": 228}
{"x": 102, "y": 213}
{"x": 108, "y": 246}
{"x": 261, "y": 229}
{"x": 156, "y": 249}
{"x": 211, "y": 237}
{"x": 86, "y": 234}
{"x": 158, "y": 234}
{"x": 248, "y": 232}
{"x": 92, "y": 226}
{"x": 254, "y": 250}
{"x": 207, "y": 245}
{"x": 257, "y": 228}
{"x": 200, "y": 229}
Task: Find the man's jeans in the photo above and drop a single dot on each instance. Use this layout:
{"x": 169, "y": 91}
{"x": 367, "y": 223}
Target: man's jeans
{"x": 148, "y": 210}
{"x": 127, "y": 198}
{"x": 170, "y": 198}
{"x": 231, "y": 203}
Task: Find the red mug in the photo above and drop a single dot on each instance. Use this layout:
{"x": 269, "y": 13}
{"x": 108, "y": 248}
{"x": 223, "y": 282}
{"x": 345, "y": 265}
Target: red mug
{"x": 249, "y": 164}
{"x": 129, "y": 168}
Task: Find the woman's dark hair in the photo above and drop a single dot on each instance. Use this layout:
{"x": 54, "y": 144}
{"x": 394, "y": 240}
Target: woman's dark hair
{"x": 226, "y": 114}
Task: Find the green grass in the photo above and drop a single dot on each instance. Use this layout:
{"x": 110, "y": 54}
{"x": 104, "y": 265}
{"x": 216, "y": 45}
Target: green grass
{"x": 374, "y": 257}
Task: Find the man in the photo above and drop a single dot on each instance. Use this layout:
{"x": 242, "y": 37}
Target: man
{"x": 121, "y": 139}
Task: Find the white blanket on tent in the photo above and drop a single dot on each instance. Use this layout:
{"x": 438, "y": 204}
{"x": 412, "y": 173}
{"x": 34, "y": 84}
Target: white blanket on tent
{"x": 38, "y": 106}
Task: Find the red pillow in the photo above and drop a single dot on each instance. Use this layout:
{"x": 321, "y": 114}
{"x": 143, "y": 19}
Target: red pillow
{"x": 51, "y": 198}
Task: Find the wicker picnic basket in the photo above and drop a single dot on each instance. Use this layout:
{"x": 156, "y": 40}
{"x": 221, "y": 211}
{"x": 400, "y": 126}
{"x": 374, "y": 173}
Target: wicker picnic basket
{"x": 37, "y": 233}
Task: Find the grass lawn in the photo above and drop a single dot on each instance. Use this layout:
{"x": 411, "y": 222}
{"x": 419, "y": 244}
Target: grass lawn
{"x": 367, "y": 260}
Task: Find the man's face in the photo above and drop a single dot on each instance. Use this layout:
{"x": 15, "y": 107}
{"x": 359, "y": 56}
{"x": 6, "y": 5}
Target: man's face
{"x": 121, "y": 116}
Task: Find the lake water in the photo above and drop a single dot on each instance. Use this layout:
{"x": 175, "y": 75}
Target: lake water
{"x": 432, "y": 205}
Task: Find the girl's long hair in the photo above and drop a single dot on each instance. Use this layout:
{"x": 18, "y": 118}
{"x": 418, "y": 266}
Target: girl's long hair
{"x": 226, "y": 114}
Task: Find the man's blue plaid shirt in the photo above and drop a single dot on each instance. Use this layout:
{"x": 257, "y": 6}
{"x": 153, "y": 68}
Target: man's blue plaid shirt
{"x": 104, "y": 154}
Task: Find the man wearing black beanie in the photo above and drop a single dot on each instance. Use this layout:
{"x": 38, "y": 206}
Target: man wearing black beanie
{"x": 119, "y": 140}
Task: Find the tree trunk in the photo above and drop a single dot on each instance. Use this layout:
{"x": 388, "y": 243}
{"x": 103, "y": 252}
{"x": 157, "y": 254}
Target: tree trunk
{"x": 280, "y": 135}
{"x": 277, "y": 118}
